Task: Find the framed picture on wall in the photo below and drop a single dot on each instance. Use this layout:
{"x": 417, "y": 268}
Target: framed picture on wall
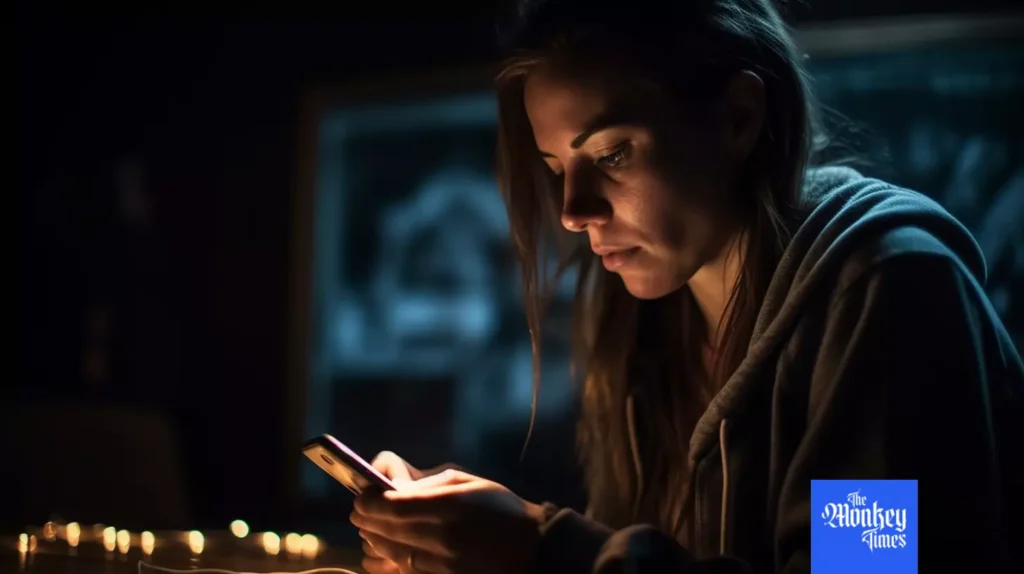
{"x": 413, "y": 308}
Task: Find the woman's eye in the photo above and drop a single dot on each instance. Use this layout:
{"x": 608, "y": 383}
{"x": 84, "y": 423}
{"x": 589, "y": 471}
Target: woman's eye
{"x": 614, "y": 159}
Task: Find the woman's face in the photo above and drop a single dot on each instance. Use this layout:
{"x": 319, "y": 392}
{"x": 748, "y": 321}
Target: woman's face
{"x": 653, "y": 196}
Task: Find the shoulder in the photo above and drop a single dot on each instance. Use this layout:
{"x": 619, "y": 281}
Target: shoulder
{"x": 911, "y": 255}
{"x": 923, "y": 298}
{"x": 929, "y": 286}
{"x": 859, "y": 225}
{"x": 909, "y": 289}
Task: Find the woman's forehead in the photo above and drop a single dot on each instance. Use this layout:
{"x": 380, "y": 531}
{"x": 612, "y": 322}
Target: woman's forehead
{"x": 551, "y": 97}
{"x": 560, "y": 103}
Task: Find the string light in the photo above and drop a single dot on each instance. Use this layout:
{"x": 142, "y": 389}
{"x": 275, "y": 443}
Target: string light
{"x": 73, "y": 533}
{"x": 271, "y": 543}
{"x": 120, "y": 542}
{"x": 109, "y": 538}
{"x": 310, "y": 546}
{"x": 239, "y": 528}
{"x": 196, "y": 542}
{"x": 147, "y": 541}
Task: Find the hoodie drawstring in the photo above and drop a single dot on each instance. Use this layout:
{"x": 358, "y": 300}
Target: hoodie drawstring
{"x": 634, "y": 449}
{"x": 724, "y": 523}
{"x": 639, "y": 469}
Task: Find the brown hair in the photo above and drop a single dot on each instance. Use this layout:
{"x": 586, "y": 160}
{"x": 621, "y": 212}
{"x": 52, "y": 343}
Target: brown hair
{"x": 690, "y": 50}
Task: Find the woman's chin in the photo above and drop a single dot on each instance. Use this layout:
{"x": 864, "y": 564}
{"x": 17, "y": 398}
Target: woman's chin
{"x": 648, "y": 286}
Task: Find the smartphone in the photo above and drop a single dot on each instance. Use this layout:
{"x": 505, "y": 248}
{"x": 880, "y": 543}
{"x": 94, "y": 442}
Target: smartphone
{"x": 344, "y": 465}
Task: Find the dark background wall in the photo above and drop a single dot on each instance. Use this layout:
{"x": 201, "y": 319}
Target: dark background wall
{"x": 210, "y": 101}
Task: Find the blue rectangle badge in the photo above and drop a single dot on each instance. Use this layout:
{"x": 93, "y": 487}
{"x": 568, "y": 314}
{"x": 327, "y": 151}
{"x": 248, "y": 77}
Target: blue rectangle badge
{"x": 864, "y": 526}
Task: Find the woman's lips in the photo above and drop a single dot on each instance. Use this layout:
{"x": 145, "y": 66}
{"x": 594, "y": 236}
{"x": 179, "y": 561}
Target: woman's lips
{"x": 617, "y": 259}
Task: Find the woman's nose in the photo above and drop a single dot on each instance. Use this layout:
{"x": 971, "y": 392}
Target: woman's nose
{"x": 583, "y": 205}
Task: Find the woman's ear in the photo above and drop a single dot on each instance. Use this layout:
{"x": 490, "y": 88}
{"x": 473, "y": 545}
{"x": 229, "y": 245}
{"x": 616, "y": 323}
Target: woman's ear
{"x": 742, "y": 113}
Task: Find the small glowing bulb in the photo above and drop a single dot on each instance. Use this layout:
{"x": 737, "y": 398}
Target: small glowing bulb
{"x": 32, "y": 543}
{"x": 73, "y": 533}
{"x": 310, "y": 546}
{"x": 292, "y": 543}
{"x": 271, "y": 543}
{"x": 147, "y": 541}
{"x": 109, "y": 538}
{"x": 50, "y": 531}
{"x": 196, "y": 541}
{"x": 23, "y": 543}
{"x": 239, "y": 528}
{"x": 124, "y": 541}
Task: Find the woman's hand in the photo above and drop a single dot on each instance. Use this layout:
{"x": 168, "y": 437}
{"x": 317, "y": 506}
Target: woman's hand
{"x": 450, "y": 523}
{"x": 398, "y": 471}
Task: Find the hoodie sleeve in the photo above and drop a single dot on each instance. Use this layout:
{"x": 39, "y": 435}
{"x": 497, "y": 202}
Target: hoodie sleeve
{"x": 910, "y": 362}
{"x": 573, "y": 544}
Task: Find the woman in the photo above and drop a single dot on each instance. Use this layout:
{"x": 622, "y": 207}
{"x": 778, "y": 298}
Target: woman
{"x": 745, "y": 324}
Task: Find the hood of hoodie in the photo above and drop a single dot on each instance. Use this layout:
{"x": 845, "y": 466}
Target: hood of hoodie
{"x": 846, "y": 212}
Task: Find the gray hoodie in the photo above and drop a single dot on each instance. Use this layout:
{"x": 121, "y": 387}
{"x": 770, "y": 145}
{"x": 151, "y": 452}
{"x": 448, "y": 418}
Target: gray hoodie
{"x": 876, "y": 354}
